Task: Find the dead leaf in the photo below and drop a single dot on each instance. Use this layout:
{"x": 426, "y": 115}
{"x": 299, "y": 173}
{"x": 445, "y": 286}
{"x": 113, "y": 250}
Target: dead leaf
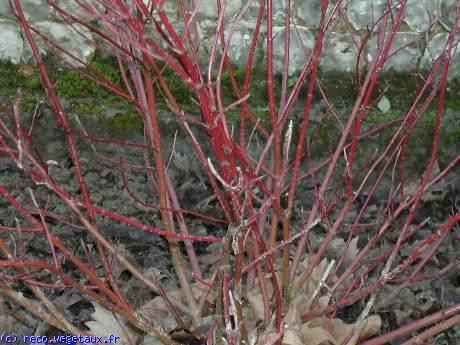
{"x": 315, "y": 277}
{"x": 335, "y": 248}
{"x": 67, "y": 299}
{"x": 292, "y": 319}
{"x": 317, "y": 336}
{"x": 200, "y": 289}
{"x": 26, "y": 69}
{"x": 105, "y": 322}
{"x": 158, "y": 313}
{"x": 340, "y": 330}
{"x": 318, "y": 331}
{"x": 209, "y": 259}
{"x": 6, "y": 323}
{"x": 6, "y": 163}
{"x": 302, "y": 303}
{"x": 266, "y": 339}
{"x": 256, "y": 304}
{"x": 371, "y": 327}
{"x": 437, "y": 192}
{"x": 292, "y": 337}
{"x": 323, "y": 301}
{"x": 352, "y": 252}
{"x": 150, "y": 340}
{"x": 292, "y": 322}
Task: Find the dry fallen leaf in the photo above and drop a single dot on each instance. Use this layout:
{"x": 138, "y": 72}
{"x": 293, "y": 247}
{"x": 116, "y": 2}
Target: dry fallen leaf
{"x": 340, "y": 330}
{"x": 159, "y": 314}
{"x": 313, "y": 281}
{"x": 106, "y": 323}
{"x": 256, "y": 304}
{"x": 437, "y": 192}
{"x": 319, "y": 331}
{"x": 6, "y": 323}
{"x": 292, "y": 337}
{"x": 337, "y": 247}
{"x": 150, "y": 340}
{"x": 292, "y": 322}
{"x": 26, "y": 69}
{"x": 371, "y": 327}
{"x": 67, "y": 299}
{"x": 323, "y": 301}
{"x": 266, "y": 339}
{"x": 317, "y": 336}
{"x": 209, "y": 259}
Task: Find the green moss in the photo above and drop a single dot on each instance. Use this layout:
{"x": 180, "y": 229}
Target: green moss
{"x": 340, "y": 87}
{"x": 377, "y": 117}
{"x": 121, "y": 124}
{"x": 258, "y": 94}
{"x": 324, "y": 136}
{"x": 177, "y": 86}
{"x": 34, "y": 83}
{"x": 421, "y": 140}
{"x": 10, "y": 76}
{"x": 87, "y": 109}
{"x": 72, "y": 84}
{"x": 86, "y": 98}
{"x": 257, "y": 87}
{"x": 12, "y": 79}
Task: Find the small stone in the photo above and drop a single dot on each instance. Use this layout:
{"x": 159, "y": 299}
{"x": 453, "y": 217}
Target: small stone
{"x": 97, "y": 198}
{"x": 384, "y": 105}
{"x": 105, "y": 173}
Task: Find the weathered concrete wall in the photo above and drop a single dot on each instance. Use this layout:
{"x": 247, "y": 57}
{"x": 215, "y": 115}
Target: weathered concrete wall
{"x": 420, "y": 39}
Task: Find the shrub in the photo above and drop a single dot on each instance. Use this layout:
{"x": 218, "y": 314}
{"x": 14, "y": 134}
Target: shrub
{"x": 307, "y": 223}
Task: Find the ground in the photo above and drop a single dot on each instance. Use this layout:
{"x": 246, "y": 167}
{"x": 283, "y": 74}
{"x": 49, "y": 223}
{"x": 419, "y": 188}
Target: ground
{"x": 107, "y": 116}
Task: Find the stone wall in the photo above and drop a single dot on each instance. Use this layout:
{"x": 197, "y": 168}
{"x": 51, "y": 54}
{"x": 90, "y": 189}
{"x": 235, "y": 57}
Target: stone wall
{"x": 420, "y": 39}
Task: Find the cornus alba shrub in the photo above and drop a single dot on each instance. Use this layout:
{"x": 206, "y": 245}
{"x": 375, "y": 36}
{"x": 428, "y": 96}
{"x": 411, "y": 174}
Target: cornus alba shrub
{"x": 284, "y": 232}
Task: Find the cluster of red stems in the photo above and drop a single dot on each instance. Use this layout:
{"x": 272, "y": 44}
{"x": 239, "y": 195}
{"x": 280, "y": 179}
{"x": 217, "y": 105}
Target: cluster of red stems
{"x": 143, "y": 40}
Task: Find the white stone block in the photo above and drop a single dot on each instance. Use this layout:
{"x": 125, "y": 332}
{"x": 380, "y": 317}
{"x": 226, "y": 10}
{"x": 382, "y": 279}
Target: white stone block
{"x": 420, "y": 14}
{"x": 11, "y": 42}
{"x": 435, "y": 48}
{"x": 341, "y": 52}
{"x": 302, "y": 41}
{"x": 404, "y": 52}
{"x": 362, "y": 13}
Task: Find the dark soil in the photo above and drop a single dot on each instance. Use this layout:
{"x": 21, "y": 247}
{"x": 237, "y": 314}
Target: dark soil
{"x": 112, "y": 188}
